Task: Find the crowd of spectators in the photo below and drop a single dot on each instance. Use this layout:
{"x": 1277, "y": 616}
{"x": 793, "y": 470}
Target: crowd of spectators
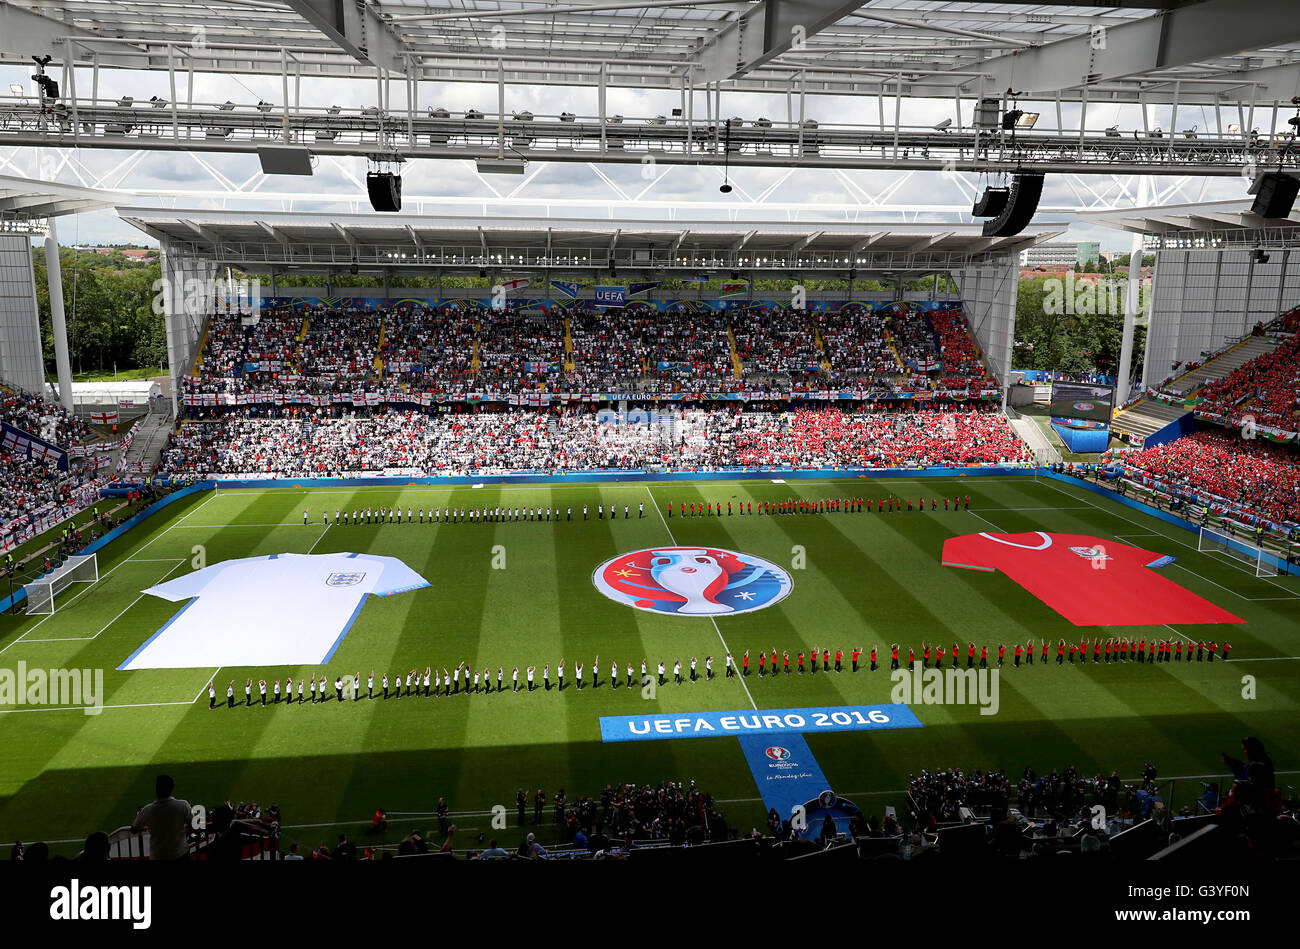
{"x": 454, "y": 351}
{"x": 340, "y": 348}
{"x": 607, "y": 351}
{"x": 939, "y": 797}
{"x": 856, "y": 346}
{"x": 497, "y": 442}
{"x": 669, "y": 811}
{"x": 1041, "y": 812}
{"x": 518, "y": 352}
{"x": 423, "y": 350}
{"x": 832, "y": 437}
{"x": 44, "y": 419}
{"x": 1251, "y": 474}
{"x": 34, "y": 487}
{"x": 1267, "y": 389}
{"x": 961, "y": 361}
{"x": 780, "y": 344}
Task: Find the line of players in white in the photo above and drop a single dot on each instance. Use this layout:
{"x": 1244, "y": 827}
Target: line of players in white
{"x": 461, "y": 680}
{"x": 450, "y": 515}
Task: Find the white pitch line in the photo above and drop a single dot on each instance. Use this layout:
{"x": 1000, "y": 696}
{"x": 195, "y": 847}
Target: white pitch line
{"x": 82, "y": 708}
{"x": 1263, "y": 659}
{"x": 726, "y": 648}
{"x": 319, "y": 539}
{"x": 211, "y": 681}
{"x": 988, "y": 522}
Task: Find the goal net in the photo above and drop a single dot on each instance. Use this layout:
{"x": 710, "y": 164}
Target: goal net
{"x": 1213, "y": 540}
{"x": 41, "y": 594}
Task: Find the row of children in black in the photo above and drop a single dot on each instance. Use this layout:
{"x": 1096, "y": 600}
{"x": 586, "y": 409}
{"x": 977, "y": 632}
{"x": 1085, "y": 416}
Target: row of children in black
{"x": 501, "y": 515}
{"x": 449, "y": 683}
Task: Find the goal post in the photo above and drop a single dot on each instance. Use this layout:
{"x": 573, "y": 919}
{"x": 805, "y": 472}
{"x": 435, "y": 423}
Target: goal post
{"x": 1216, "y": 541}
{"x": 43, "y": 592}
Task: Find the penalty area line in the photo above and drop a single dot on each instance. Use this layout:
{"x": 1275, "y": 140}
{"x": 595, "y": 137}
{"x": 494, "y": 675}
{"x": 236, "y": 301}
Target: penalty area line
{"x": 77, "y": 595}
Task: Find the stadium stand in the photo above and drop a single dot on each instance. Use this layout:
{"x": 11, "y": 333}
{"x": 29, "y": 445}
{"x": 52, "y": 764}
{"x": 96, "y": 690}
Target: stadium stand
{"x": 498, "y": 442}
{"x": 36, "y": 493}
{"x": 305, "y": 392}
{"x": 453, "y": 352}
{"x": 1227, "y": 471}
{"x": 1263, "y": 389}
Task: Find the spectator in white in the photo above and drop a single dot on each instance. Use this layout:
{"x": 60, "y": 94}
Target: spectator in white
{"x": 532, "y": 850}
{"x": 168, "y": 822}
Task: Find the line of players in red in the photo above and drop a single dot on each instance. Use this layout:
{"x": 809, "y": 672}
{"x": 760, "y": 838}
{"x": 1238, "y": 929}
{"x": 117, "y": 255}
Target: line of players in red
{"x": 825, "y": 506}
{"x": 1114, "y": 649}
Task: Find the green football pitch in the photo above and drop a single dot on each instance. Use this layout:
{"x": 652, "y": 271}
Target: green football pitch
{"x": 507, "y": 594}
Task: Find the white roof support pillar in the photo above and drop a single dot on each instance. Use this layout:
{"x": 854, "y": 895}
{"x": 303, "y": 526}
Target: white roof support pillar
{"x": 58, "y": 324}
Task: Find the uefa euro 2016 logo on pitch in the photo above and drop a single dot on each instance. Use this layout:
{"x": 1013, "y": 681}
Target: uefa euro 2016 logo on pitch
{"x": 1084, "y": 406}
{"x": 692, "y": 581}
{"x": 777, "y": 753}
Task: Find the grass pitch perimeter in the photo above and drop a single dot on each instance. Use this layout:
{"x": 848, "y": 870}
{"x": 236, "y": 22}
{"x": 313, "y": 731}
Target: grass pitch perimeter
{"x": 868, "y": 579}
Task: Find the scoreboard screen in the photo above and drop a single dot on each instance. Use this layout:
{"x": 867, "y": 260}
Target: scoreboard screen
{"x": 1082, "y": 400}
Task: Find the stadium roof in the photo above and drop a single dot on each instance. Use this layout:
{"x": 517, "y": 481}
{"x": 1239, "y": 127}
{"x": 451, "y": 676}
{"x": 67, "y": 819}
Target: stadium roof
{"x": 1192, "y": 51}
{"x": 1175, "y": 225}
{"x": 262, "y": 241}
{"x": 28, "y": 200}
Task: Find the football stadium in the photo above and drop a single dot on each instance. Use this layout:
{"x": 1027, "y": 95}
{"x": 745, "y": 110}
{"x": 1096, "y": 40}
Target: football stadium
{"x": 648, "y": 484}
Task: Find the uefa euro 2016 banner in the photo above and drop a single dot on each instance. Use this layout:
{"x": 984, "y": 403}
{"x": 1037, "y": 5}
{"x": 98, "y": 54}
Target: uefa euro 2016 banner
{"x": 606, "y": 296}
{"x": 766, "y": 721}
{"x": 542, "y": 399}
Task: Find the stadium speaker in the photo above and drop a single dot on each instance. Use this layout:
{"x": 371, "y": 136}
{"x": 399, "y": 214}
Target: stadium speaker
{"x": 1275, "y": 193}
{"x": 991, "y": 203}
{"x": 1022, "y": 202}
{"x": 385, "y": 190}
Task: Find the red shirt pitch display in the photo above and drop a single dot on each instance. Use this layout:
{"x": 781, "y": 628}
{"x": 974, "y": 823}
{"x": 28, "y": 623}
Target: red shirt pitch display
{"x": 1089, "y": 581}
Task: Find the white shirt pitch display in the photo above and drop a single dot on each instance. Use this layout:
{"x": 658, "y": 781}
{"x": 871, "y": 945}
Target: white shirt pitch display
{"x": 285, "y": 610}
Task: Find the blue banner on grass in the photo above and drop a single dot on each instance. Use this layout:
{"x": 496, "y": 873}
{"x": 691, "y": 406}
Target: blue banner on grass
{"x": 768, "y": 721}
{"x": 785, "y": 771}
